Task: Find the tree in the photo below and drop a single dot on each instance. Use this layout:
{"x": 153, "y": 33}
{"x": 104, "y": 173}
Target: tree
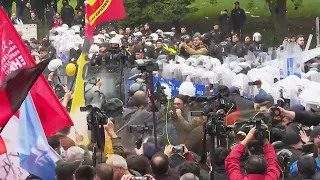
{"x": 135, "y": 11}
{"x": 278, "y": 10}
{"x": 142, "y": 11}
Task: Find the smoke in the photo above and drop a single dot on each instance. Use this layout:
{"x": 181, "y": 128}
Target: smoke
{"x": 109, "y": 83}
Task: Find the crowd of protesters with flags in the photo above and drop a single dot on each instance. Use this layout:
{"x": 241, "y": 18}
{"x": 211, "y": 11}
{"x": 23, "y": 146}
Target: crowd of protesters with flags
{"x": 52, "y": 139}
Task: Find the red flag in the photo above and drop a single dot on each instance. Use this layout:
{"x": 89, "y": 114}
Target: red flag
{"x": 14, "y": 55}
{"x": 99, "y": 11}
{"x": 15, "y": 88}
{"x": 3, "y": 148}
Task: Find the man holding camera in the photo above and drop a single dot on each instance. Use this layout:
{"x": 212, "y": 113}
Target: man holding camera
{"x": 257, "y": 167}
{"x": 197, "y": 48}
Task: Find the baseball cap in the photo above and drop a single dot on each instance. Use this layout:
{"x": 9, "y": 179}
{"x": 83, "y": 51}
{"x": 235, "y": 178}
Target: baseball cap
{"x": 290, "y": 138}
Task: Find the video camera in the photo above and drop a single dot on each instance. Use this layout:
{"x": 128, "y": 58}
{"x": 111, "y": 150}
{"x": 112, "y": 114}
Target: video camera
{"x": 214, "y": 103}
{"x": 147, "y": 65}
{"x": 261, "y": 130}
{"x": 98, "y": 116}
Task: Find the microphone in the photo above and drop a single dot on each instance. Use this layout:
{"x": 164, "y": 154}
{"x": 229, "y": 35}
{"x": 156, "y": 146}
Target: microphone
{"x": 134, "y": 77}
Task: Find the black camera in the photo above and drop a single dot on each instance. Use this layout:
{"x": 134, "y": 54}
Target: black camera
{"x": 146, "y": 65}
{"x": 261, "y": 130}
{"x": 96, "y": 116}
{"x": 177, "y": 149}
{"x": 254, "y": 83}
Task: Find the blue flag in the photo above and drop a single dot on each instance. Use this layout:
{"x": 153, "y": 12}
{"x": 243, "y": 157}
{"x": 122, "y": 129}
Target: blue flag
{"x": 36, "y": 156}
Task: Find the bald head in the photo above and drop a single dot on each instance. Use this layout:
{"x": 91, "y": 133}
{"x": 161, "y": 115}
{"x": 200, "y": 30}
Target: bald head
{"x": 140, "y": 94}
{"x": 189, "y": 176}
{"x": 104, "y": 171}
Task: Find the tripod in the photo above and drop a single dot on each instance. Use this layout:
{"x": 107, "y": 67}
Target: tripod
{"x": 214, "y": 127}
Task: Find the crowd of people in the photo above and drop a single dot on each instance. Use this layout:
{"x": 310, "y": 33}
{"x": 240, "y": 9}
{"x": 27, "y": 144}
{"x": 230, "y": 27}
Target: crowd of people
{"x": 44, "y": 13}
{"x": 290, "y": 149}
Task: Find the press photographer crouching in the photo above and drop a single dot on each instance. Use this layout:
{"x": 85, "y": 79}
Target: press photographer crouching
{"x": 257, "y": 167}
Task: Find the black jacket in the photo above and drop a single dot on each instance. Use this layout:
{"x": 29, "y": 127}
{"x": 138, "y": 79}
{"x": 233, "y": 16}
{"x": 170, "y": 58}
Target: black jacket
{"x": 216, "y": 36}
{"x": 238, "y": 50}
{"x": 78, "y": 20}
{"x": 225, "y": 24}
{"x": 258, "y": 47}
{"x": 171, "y": 175}
{"x": 238, "y": 17}
{"x": 26, "y": 15}
{"x": 307, "y": 118}
{"x": 225, "y": 47}
{"x": 220, "y": 173}
{"x": 67, "y": 14}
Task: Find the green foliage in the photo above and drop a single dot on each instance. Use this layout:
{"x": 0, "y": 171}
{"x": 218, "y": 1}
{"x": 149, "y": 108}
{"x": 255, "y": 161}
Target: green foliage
{"x": 169, "y": 10}
{"x": 141, "y": 11}
{"x": 135, "y": 11}
{"x": 273, "y": 3}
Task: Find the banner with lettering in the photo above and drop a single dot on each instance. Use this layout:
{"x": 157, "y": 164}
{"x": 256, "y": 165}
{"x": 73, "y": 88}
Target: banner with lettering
{"x": 15, "y": 55}
{"x": 99, "y": 11}
{"x": 9, "y": 163}
{"x": 174, "y": 86}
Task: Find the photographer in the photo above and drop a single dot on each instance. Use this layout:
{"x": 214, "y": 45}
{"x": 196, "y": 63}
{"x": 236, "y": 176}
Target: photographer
{"x": 177, "y": 154}
{"x": 256, "y": 167}
{"x": 186, "y": 39}
{"x": 134, "y": 119}
{"x": 198, "y": 47}
{"x": 190, "y": 133}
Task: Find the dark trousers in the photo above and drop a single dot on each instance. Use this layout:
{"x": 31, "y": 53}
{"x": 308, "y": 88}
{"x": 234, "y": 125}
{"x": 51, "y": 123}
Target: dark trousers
{"x": 8, "y": 10}
{"x": 20, "y": 8}
{"x": 237, "y": 30}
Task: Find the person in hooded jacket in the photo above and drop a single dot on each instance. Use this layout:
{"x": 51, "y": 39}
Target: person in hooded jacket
{"x": 225, "y": 22}
{"x": 67, "y": 13}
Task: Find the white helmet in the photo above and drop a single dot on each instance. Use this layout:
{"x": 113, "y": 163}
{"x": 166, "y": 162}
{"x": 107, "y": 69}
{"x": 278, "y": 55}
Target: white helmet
{"x": 257, "y": 37}
{"x": 115, "y": 40}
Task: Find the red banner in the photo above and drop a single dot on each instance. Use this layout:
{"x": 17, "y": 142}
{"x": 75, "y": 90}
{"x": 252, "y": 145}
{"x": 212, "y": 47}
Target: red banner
{"x": 15, "y": 55}
{"x": 99, "y": 11}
